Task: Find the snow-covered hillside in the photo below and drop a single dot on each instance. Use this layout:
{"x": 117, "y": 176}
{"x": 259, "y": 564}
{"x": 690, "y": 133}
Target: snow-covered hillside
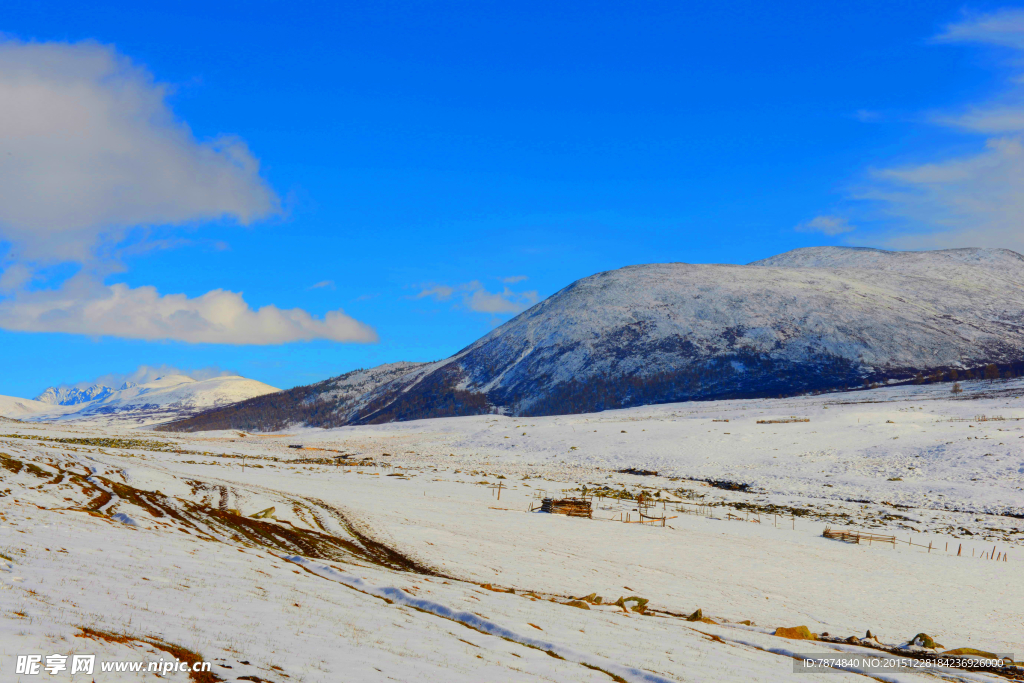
{"x": 21, "y": 408}
{"x": 325, "y": 404}
{"x": 810, "y": 319}
{"x": 165, "y": 398}
{"x": 813, "y": 319}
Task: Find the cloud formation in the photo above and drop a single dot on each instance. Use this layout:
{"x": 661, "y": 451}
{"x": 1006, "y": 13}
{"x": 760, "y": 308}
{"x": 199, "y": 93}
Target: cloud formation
{"x": 1004, "y": 27}
{"x": 971, "y": 199}
{"x": 148, "y": 373}
{"x": 323, "y": 284}
{"x": 829, "y": 225}
{"x": 90, "y": 150}
{"x": 974, "y": 200}
{"x": 474, "y": 297}
{"x": 83, "y": 306}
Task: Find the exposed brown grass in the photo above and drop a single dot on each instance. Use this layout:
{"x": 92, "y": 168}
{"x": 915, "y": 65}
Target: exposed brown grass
{"x": 177, "y": 651}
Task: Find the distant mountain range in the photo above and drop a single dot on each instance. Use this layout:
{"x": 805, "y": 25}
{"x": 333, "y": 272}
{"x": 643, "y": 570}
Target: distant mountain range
{"x": 813, "y": 319}
{"x": 69, "y": 396}
{"x": 164, "y": 399}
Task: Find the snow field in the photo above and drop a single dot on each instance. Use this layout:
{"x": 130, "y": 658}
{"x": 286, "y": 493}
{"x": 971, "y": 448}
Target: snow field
{"x": 208, "y": 584}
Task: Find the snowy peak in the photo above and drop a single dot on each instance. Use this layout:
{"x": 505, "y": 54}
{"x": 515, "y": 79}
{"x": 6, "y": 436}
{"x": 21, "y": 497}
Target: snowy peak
{"x": 69, "y": 396}
{"x": 177, "y": 393}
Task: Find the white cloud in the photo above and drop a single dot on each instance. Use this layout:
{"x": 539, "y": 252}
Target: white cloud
{"x": 512, "y": 280}
{"x": 436, "y": 292}
{"x": 507, "y": 301}
{"x": 324, "y": 284}
{"x": 83, "y": 306}
{"x": 992, "y": 119}
{"x": 475, "y": 297}
{"x": 89, "y": 147}
{"x": 1004, "y": 27}
{"x": 148, "y": 373}
{"x": 90, "y": 152}
{"x": 829, "y": 225}
{"x": 974, "y": 198}
{"x": 14, "y": 277}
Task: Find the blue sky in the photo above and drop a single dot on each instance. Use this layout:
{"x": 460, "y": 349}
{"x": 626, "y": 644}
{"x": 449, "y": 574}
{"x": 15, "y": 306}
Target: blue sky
{"x": 396, "y": 178}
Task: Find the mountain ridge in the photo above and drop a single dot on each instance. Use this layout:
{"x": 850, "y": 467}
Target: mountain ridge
{"x": 160, "y": 400}
{"x": 69, "y": 396}
{"x": 811, "y": 319}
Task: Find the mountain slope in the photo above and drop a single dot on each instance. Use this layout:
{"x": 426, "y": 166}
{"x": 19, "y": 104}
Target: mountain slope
{"x": 811, "y": 319}
{"x": 23, "y": 408}
{"x": 324, "y": 404}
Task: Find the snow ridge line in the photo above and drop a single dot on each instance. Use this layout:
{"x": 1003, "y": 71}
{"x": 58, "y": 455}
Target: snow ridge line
{"x": 400, "y": 597}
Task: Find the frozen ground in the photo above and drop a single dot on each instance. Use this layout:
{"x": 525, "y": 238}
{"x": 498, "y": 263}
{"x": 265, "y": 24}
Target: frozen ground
{"x": 131, "y": 543}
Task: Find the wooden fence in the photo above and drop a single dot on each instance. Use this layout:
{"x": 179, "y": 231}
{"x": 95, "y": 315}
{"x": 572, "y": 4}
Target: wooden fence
{"x": 858, "y": 537}
{"x": 861, "y": 536}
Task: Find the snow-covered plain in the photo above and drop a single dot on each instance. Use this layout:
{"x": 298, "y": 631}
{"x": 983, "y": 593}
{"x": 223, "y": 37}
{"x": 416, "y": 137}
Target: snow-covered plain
{"x": 391, "y": 564}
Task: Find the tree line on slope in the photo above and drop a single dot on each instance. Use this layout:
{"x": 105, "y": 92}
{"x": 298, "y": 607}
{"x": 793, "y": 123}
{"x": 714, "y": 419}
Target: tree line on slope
{"x": 438, "y": 395}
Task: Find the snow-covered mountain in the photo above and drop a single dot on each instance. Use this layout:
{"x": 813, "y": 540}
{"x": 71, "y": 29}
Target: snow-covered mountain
{"x": 165, "y": 398}
{"x": 69, "y": 396}
{"x": 811, "y": 319}
{"x": 326, "y": 404}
